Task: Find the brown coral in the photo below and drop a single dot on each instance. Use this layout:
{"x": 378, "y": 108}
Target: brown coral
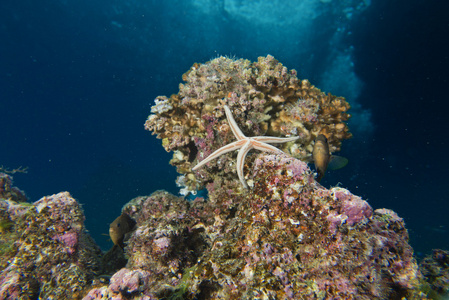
{"x": 266, "y": 99}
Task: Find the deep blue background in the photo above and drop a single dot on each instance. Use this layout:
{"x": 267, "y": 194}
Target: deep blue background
{"x": 77, "y": 81}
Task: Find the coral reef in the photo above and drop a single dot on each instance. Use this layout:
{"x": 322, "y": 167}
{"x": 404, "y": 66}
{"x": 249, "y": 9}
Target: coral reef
{"x": 290, "y": 238}
{"x": 286, "y": 237}
{"x": 164, "y": 244}
{"x": 265, "y": 99}
{"x": 46, "y": 253}
{"x": 8, "y": 191}
{"x": 293, "y": 239}
{"x": 435, "y": 268}
{"x": 125, "y": 284}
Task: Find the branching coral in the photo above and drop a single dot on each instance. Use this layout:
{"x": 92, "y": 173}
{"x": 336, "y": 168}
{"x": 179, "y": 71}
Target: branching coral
{"x": 266, "y": 99}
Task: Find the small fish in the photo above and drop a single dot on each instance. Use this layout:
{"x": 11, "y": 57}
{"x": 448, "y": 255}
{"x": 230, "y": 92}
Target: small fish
{"x": 119, "y": 228}
{"x": 323, "y": 159}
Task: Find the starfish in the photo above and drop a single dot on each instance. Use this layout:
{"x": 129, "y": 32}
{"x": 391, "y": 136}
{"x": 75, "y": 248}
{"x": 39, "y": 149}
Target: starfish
{"x": 245, "y": 144}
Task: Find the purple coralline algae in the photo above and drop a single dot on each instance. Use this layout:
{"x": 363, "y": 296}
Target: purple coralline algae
{"x": 45, "y": 251}
{"x": 123, "y": 285}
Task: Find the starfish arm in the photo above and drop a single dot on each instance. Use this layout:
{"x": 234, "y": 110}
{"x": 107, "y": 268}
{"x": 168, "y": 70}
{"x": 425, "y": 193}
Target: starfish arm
{"x": 265, "y": 147}
{"x": 233, "y": 124}
{"x": 245, "y": 144}
{"x": 225, "y": 149}
{"x": 274, "y": 140}
{"x": 241, "y": 161}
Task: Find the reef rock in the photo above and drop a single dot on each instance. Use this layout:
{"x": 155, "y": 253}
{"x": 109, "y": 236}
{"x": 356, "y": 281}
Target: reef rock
{"x": 289, "y": 238}
{"x": 165, "y": 244}
{"x": 45, "y": 251}
{"x": 8, "y": 191}
{"x": 435, "y": 268}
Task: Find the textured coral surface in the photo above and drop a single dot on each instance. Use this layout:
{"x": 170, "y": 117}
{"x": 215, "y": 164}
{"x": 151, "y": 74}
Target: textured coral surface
{"x": 293, "y": 239}
{"x": 265, "y": 98}
{"x": 290, "y": 238}
{"x": 45, "y": 252}
{"x": 165, "y": 243}
{"x": 435, "y": 268}
{"x": 8, "y": 191}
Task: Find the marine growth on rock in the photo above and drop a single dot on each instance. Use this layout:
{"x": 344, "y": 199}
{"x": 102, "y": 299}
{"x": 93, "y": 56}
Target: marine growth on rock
{"x": 266, "y": 99}
{"x": 290, "y": 238}
{"x": 286, "y": 237}
{"x": 46, "y": 252}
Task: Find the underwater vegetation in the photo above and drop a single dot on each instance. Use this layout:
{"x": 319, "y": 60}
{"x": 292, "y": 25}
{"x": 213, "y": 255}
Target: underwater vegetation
{"x": 283, "y": 236}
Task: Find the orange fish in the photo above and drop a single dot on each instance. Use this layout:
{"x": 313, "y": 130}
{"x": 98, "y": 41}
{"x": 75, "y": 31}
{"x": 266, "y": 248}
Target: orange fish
{"x": 119, "y": 228}
{"x": 323, "y": 159}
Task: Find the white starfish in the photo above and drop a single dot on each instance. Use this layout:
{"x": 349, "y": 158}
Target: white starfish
{"x": 245, "y": 144}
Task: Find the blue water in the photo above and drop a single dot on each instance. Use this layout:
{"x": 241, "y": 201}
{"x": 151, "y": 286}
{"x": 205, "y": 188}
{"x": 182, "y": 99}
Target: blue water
{"x": 77, "y": 79}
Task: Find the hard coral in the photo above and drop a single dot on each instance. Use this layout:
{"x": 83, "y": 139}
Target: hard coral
{"x": 264, "y": 97}
{"x": 123, "y": 285}
{"x": 290, "y": 238}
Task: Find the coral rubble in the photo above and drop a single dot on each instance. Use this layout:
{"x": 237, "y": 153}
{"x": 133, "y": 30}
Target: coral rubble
{"x": 266, "y": 99}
